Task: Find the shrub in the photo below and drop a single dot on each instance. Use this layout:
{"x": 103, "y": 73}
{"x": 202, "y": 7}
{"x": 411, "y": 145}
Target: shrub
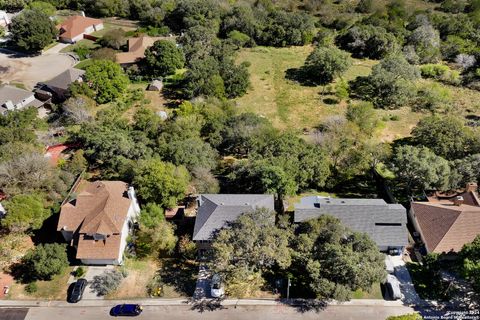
{"x": 82, "y": 51}
{"x": 433, "y": 70}
{"x": 104, "y": 54}
{"x": 79, "y": 272}
{"x": 107, "y": 282}
{"x": 187, "y": 248}
{"x": 31, "y": 288}
{"x": 155, "y": 287}
{"x": 440, "y": 72}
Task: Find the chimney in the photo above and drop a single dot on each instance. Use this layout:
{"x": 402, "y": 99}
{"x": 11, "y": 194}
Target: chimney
{"x": 471, "y": 187}
{"x": 82, "y": 13}
{"x": 458, "y": 201}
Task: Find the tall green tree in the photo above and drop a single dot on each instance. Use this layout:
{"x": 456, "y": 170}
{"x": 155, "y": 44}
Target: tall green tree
{"x": 390, "y": 85}
{"x": 324, "y": 64}
{"x": 160, "y": 182}
{"x": 45, "y": 261}
{"x": 42, "y": 6}
{"x": 447, "y": 136}
{"x": 251, "y": 245}
{"x": 32, "y": 30}
{"x": 330, "y": 261}
{"x": 419, "y": 167}
{"x": 156, "y": 235}
{"x": 107, "y": 80}
{"x": 163, "y": 58}
{"x": 25, "y": 212}
{"x": 470, "y": 254}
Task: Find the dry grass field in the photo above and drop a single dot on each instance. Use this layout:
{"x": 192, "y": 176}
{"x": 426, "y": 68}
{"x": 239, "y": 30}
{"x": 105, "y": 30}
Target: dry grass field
{"x": 291, "y": 105}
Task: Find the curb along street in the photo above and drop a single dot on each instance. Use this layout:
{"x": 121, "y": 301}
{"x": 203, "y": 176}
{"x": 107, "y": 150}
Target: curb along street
{"x": 179, "y": 302}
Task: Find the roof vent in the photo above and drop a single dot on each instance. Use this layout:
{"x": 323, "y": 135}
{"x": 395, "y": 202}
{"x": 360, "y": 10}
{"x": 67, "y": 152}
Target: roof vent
{"x": 247, "y": 204}
{"x": 221, "y": 203}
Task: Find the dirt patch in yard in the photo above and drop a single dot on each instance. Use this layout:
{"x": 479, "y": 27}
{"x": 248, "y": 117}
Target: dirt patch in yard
{"x": 135, "y": 284}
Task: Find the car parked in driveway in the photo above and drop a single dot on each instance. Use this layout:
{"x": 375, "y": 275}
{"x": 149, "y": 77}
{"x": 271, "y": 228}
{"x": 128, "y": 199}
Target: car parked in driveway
{"x": 77, "y": 291}
{"x": 217, "y": 290}
{"x": 131, "y": 310}
{"x": 393, "y": 287}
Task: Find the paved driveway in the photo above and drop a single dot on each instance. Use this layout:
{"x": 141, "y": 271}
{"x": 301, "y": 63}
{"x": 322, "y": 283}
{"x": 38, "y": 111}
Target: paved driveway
{"x": 92, "y": 272}
{"x": 30, "y": 70}
{"x": 410, "y": 296}
{"x": 202, "y": 289}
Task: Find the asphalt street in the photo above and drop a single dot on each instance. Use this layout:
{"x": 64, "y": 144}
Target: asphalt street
{"x": 279, "y": 312}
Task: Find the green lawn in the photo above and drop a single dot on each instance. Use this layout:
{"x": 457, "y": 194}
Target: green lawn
{"x": 83, "y": 64}
{"x": 82, "y": 43}
{"x": 374, "y": 293}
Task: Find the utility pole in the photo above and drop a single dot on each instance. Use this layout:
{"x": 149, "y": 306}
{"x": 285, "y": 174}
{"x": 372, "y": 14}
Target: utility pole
{"x": 288, "y": 287}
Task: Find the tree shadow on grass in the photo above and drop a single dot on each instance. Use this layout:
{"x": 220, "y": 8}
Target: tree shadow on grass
{"x": 20, "y": 273}
{"x": 300, "y": 75}
{"x": 180, "y": 274}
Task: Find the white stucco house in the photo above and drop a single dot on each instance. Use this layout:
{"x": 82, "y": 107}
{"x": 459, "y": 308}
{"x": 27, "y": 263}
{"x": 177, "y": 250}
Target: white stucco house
{"x": 99, "y": 220}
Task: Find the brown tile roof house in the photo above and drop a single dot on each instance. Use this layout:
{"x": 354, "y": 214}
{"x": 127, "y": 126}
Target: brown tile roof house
{"x": 447, "y": 221}
{"x": 136, "y": 49}
{"x": 73, "y": 29}
{"x": 97, "y": 222}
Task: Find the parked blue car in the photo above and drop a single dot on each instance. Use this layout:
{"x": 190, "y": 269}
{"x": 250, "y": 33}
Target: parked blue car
{"x": 126, "y": 310}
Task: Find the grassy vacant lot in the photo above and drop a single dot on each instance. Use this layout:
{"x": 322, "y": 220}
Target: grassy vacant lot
{"x": 56, "y": 289}
{"x": 291, "y": 105}
{"x": 374, "y": 293}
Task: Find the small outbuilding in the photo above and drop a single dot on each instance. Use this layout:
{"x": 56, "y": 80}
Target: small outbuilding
{"x": 155, "y": 85}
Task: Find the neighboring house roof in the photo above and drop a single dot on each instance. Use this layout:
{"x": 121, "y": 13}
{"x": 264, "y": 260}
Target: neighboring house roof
{"x": 215, "y": 210}
{"x": 76, "y": 25}
{"x": 65, "y": 79}
{"x": 446, "y": 226}
{"x": 16, "y": 96}
{"x": 136, "y": 49}
{"x": 101, "y": 208}
{"x": 385, "y": 223}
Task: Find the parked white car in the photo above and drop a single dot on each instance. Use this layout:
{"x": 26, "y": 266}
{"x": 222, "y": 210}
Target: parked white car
{"x": 217, "y": 290}
{"x": 393, "y": 287}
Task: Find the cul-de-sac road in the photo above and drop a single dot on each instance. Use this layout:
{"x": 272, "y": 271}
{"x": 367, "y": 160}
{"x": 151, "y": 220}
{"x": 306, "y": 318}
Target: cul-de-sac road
{"x": 278, "y": 312}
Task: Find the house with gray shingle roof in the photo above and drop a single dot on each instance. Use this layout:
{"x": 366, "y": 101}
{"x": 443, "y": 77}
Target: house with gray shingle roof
{"x": 13, "y": 98}
{"x": 216, "y": 210}
{"x": 60, "y": 84}
{"x": 385, "y": 223}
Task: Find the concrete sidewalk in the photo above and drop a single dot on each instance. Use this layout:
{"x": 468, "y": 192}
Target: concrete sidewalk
{"x": 179, "y": 302}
